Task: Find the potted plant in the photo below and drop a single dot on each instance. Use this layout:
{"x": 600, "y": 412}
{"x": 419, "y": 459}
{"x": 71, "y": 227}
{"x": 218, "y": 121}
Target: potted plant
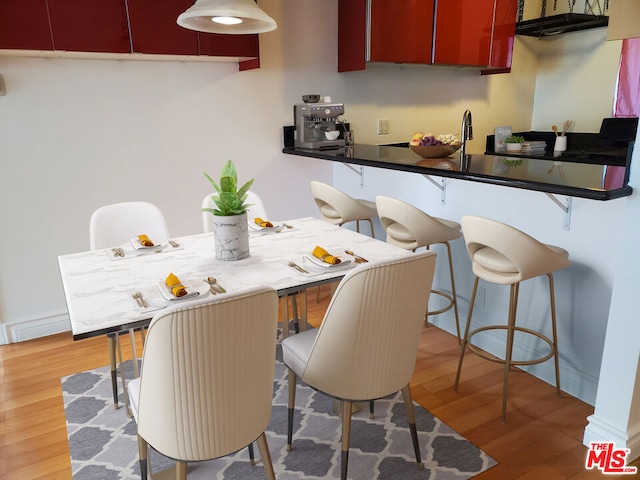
{"x": 231, "y": 232}
{"x": 514, "y": 143}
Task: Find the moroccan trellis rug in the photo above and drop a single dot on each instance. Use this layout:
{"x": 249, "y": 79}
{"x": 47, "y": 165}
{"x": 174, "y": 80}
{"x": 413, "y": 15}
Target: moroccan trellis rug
{"x": 103, "y": 441}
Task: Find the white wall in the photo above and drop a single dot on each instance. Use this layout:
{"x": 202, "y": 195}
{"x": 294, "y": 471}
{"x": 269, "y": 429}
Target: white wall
{"x": 76, "y": 134}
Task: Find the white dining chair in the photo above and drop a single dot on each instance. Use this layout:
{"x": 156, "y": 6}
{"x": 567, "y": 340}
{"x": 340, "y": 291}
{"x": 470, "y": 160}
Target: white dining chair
{"x": 367, "y": 344}
{"x": 111, "y": 226}
{"x": 206, "y": 386}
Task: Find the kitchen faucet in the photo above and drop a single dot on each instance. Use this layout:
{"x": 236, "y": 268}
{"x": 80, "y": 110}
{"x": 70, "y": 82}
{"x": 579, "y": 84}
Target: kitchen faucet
{"x": 465, "y": 134}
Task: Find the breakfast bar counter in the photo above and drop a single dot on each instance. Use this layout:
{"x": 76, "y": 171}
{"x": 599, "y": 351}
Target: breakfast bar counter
{"x": 599, "y": 179}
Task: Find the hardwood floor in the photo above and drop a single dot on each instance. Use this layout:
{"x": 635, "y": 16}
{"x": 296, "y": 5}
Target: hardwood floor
{"x": 542, "y": 438}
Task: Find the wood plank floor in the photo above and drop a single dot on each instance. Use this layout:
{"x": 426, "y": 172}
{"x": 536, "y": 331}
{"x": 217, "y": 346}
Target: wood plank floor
{"x": 542, "y": 438}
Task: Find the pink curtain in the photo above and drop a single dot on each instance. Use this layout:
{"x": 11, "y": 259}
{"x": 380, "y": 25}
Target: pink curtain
{"x": 628, "y": 95}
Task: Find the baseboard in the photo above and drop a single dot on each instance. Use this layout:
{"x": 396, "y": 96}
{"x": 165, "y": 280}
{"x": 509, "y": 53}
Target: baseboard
{"x": 36, "y": 328}
{"x": 598, "y": 430}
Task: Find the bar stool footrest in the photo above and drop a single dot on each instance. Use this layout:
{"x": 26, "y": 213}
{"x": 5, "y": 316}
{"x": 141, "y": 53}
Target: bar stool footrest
{"x": 448, "y": 297}
{"x": 488, "y": 356}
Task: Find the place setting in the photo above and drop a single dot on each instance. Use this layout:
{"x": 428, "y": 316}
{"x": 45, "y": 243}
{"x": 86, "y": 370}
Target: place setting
{"x": 260, "y": 226}
{"x": 320, "y": 261}
{"x": 142, "y": 245}
{"x": 173, "y": 289}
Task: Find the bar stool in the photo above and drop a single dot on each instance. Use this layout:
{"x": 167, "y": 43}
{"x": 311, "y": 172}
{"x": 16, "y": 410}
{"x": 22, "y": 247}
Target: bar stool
{"x": 409, "y": 227}
{"x": 339, "y": 208}
{"x": 504, "y": 255}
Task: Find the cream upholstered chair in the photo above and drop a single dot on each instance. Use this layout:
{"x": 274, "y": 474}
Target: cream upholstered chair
{"x": 339, "y": 208}
{"x": 367, "y": 344}
{"x": 111, "y": 226}
{"x": 256, "y": 209}
{"x": 504, "y": 255}
{"x": 299, "y": 299}
{"x": 206, "y": 386}
{"x": 409, "y": 227}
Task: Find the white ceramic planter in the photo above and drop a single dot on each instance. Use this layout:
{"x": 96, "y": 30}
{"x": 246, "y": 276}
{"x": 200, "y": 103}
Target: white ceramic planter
{"x": 231, "y": 236}
{"x": 514, "y": 147}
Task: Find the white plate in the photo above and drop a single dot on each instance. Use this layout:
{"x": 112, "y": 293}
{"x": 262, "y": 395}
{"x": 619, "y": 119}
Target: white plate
{"x": 135, "y": 243}
{"x": 258, "y": 228}
{"x": 193, "y": 287}
{"x": 319, "y": 263}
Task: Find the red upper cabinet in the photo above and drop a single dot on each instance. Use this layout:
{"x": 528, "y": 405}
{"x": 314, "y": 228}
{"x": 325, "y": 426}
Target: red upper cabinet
{"x": 477, "y": 33}
{"x": 90, "y": 26}
{"x": 474, "y": 32}
{"x": 401, "y": 31}
{"x": 24, "y": 25}
{"x": 154, "y": 29}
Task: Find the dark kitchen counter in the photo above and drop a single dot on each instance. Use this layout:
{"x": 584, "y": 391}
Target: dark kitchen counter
{"x": 596, "y": 177}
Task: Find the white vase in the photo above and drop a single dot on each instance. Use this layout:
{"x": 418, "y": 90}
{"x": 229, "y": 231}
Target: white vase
{"x": 231, "y": 237}
{"x": 514, "y": 147}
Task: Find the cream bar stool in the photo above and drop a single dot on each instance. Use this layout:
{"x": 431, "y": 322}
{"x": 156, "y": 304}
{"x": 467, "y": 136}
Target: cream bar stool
{"x": 409, "y": 227}
{"x": 339, "y": 208}
{"x": 504, "y": 255}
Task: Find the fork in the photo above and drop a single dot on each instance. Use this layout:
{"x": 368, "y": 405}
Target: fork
{"x": 297, "y": 267}
{"x": 174, "y": 244}
{"x": 140, "y": 299}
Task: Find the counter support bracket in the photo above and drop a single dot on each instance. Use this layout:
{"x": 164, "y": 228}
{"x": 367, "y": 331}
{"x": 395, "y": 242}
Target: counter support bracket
{"x": 566, "y": 208}
{"x": 357, "y": 170}
{"x": 441, "y": 185}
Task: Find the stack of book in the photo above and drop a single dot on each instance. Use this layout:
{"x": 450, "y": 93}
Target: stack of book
{"x": 534, "y": 147}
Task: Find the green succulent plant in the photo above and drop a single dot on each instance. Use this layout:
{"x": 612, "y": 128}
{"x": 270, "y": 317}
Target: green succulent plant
{"x": 514, "y": 139}
{"x": 230, "y": 199}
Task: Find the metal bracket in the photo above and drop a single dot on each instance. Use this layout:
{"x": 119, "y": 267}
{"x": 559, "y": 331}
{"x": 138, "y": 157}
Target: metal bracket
{"x": 566, "y": 208}
{"x": 441, "y": 185}
{"x": 357, "y": 170}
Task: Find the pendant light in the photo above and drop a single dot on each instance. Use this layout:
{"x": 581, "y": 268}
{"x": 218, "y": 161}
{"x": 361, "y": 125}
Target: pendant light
{"x": 226, "y": 16}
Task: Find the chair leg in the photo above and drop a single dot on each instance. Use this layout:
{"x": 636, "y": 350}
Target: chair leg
{"x": 453, "y": 291}
{"x": 284, "y": 315}
{"x": 513, "y": 306}
{"x": 346, "y": 434}
{"x": 142, "y": 454}
{"x": 181, "y": 470}
{"x": 252, "y": 457}
{"x": 111, "y": 345}
{"x": 125, "y": 394}
{"x": 465, "y": 337}
{"x": 291, "y": 408}
{"x": 371, "y": 408}
{"x": 373, "y": 233}
{"x": 411, "y": 418}
{"x": 266, "y": 456}
{"x": 554, "y": 332}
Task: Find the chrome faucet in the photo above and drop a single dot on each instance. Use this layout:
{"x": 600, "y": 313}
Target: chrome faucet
{"x": 465, "y": 134}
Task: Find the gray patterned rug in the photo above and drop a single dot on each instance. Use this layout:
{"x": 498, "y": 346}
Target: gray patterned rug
{"x": 103, "y": 444}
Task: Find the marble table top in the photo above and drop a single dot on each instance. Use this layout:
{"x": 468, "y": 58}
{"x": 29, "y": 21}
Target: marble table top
{"x": 98, "y": 286}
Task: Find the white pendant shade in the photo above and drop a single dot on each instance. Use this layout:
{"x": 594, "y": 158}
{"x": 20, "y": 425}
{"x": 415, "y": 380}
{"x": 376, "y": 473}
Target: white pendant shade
{"x": 221, "y": 16}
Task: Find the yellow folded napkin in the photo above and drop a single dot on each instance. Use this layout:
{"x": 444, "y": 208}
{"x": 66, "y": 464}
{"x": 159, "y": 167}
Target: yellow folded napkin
{"x": 263, "y": 223}
{"x": 176, "y": 287}
{"x": 145, "y": 241}
{"x": 323, "y": 255}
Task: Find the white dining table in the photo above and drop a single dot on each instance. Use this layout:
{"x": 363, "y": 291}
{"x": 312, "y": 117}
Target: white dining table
{"x": 98, "y": 285}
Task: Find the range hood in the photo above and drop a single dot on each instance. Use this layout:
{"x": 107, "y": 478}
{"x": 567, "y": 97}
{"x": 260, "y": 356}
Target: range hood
{"x": 557, "y": 24}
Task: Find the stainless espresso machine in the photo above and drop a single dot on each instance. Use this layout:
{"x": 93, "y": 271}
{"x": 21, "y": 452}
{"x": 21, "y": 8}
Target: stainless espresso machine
{"x": 312, "y": 120}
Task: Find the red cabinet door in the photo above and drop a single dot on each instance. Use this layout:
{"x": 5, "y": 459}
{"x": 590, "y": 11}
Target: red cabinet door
{"x": 24, "y": 25}
{"x": 220, "y": 45}
{"x": 352, "y": 31}
{"x": 401, "y": 31}
{"x": 90, "y": 25}
{"x": 504, "y": 31}
{"x": 463, "y": 30}
{"x": 154, "y": 29}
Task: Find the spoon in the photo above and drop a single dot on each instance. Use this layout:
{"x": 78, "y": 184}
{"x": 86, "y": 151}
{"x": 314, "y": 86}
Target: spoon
{"x": 215, "y": 285}
{"x": 555, "y": 129}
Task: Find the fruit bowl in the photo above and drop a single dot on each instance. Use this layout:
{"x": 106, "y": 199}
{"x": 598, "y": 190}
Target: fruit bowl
{"x": 435, "y": 151}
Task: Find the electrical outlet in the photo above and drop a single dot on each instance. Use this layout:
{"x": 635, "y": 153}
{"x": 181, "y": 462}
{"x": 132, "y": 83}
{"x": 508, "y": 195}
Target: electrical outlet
{"x": 383, "y": 127}
{"x": 480, "y": 296}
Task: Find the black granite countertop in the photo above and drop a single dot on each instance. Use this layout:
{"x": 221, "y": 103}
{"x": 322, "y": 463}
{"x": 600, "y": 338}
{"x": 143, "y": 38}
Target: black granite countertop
{"x": 596, "y": 178}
